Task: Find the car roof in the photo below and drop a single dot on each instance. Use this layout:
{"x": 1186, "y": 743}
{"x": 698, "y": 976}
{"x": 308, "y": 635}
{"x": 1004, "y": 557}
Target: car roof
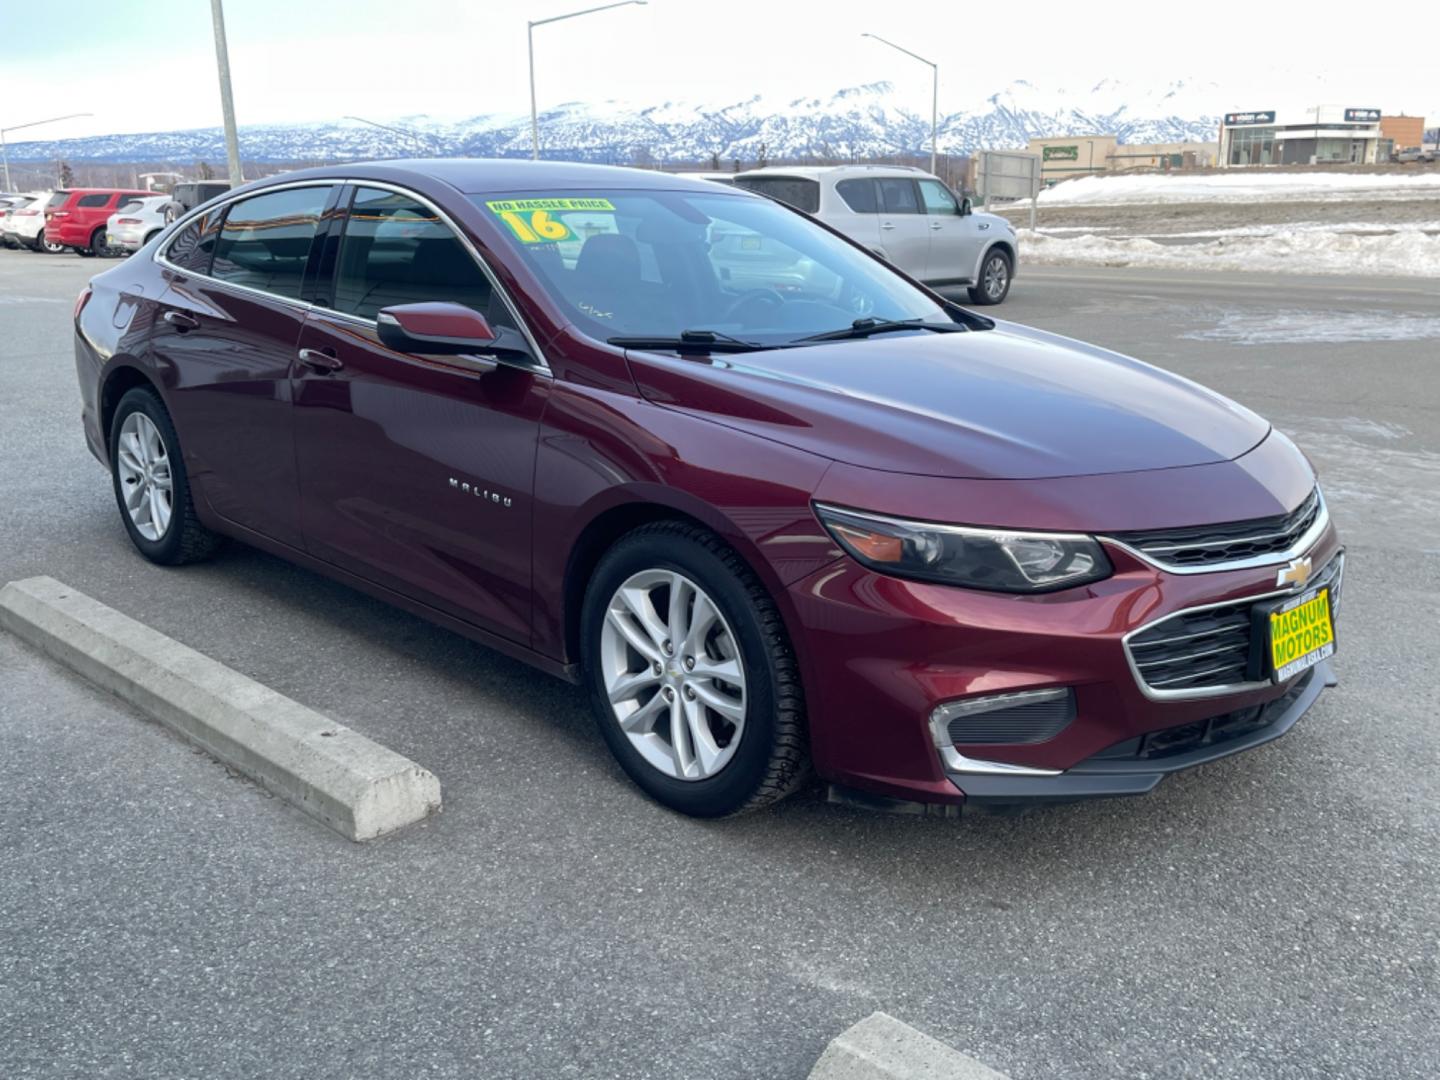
{"x": 815, "y": 172}
{"x": 478, "y": 176}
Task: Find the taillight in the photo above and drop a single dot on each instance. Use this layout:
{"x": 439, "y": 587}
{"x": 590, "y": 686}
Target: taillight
{"x": 127, "y": 221}
{"x": 58, "y": 213}
{"x": 81, "y": 301}
{"x": 26, "y": 213}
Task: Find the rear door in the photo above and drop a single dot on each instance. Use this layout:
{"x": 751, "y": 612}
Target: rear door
{"x": 904, "y": 230}
{"x": 857, "y": 214}
{"x": 416, "y": 471}
{"x": 230, "y": 323}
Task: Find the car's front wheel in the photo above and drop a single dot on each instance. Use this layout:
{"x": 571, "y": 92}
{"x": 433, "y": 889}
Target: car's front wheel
{"x": 691, "y": 675}
{"x": 994, "y": 284}
{"x": 151, "y": 486}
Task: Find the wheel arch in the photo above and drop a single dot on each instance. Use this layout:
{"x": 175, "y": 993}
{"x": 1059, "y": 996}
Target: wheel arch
{"x": 120, "y": 378}
{"x": 1002, "y": 245}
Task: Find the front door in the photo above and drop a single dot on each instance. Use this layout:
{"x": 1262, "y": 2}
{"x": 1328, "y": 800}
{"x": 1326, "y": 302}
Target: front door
{"x": 904, "y": 231}
{"x": 230, "y": 321}
{"x": 954, "y": 245}
{"x": 416, "y": 471}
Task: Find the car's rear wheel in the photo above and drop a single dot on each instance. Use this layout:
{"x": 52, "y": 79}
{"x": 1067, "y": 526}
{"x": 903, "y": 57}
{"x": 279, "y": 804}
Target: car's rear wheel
{"x": 151, "y": 486}
{"x": 48, "y": 247}
{"x": 994, "y": 284}
{"x": 692, "y": 678}
{"x": 96, "y": 245}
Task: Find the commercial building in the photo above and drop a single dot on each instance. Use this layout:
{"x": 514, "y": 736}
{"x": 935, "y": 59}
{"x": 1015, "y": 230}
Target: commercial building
{"x": 1066, "y": 156}
{"x": 1403, "y": 131}
{"x": 1334, "y": 134}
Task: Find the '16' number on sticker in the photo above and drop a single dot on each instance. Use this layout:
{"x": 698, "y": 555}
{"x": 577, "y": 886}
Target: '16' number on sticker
{"x": 539, "y": 228}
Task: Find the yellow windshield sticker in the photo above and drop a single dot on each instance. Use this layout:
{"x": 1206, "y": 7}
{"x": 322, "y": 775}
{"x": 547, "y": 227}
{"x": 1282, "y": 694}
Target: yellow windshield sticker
{"x": 533, "y": 221}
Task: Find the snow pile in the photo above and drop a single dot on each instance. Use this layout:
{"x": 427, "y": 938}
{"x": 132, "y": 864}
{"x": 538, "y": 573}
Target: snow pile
{"x": 1406, "y": 253}
{"x": 1242, "y": 186}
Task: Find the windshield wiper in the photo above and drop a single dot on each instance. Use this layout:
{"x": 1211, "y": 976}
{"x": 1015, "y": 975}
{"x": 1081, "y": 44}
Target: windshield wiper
{"x": 863, "y": 328}
{"x": 691, "y": 341}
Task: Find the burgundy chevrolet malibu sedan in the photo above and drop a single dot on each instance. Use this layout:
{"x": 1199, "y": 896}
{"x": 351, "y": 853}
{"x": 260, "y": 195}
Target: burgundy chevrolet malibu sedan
{"x": 775, "y": 505}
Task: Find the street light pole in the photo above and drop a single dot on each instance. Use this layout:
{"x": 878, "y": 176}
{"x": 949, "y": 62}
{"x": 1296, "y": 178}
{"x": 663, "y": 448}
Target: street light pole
{"x": 934, "y": 95}
{"x": 530, "y": 32}
{"x": 227, "y": 102}
{"x": 5, "y": 150}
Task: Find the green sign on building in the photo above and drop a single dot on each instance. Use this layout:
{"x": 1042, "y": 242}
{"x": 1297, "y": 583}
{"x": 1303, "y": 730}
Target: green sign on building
{"x": 1061, "y": 153}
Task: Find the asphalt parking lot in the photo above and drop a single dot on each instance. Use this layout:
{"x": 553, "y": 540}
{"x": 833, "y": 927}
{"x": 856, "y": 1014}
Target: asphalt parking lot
{"x": 1276, "y": 915}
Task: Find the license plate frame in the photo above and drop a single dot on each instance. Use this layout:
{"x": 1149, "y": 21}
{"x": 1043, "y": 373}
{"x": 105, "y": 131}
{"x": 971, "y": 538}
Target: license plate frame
{"x": 1302, "y": 641}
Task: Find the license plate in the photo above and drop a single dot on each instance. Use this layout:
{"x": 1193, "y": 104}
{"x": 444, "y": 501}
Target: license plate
{"x": 1301, "y": 634}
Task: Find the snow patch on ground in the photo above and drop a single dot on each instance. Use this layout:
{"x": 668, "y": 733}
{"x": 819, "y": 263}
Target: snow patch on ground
{"x": 1242, "y": 186}
{"x": 1405, "y": 253}
{"x": 1310, "y": 326}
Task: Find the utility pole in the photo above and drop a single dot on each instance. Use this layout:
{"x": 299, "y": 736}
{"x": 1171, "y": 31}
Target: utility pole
{"x": 934, "y": 95}
{"x": 227, "y": 102}
{"x": 4, "y": 151}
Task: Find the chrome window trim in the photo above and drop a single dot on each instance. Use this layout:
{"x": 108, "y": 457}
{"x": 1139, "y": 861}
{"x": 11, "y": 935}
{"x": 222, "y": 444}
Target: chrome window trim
{"x": 1302, "y": 543}
{"x": 956, "y": 762}
{"x": 541, "y": 365}
{"x": 1200, "y": 692}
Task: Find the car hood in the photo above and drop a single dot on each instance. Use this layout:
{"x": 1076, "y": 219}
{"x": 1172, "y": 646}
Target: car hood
{"x": 1011, "y": 403}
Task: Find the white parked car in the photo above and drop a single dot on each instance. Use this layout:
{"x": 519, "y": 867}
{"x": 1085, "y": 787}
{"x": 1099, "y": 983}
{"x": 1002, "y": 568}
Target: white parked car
{"x": 906, "y": 216}
{"x": 136, "y": 223}
{"x": 24, "y": 225}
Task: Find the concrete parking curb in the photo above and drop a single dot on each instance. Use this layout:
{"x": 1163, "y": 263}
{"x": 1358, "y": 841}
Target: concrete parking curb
{"x": 882, "y": 1048}
{"x": 354, "y": 785}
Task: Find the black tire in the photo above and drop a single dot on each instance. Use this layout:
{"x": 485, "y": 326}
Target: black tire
{"x": 772, "y": 759}
{"x": 185, "y": 540}
{"x": 97, "y": 244}
{"x": 996, "y": 271}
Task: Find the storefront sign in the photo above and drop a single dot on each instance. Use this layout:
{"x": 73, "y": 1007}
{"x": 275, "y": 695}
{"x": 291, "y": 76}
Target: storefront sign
{"x": 1363, "y": 116}
{"x": 1236, "y": 119}
{"x": 1061, "y": 153}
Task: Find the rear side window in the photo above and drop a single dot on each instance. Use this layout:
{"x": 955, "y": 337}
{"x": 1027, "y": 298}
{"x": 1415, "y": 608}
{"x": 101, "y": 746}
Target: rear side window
{"x": 397, "y": 251}
{"x": 194, "y": 245}
{"x": 93, "y": 200}
{"x": 797, "y": 192}
{"x": 264, "y": 242}
{"x": 898, "y": 196}
{"x": 859, "y": 195}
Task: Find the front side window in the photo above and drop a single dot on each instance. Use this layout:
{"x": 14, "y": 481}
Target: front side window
{"x": 859, "y": 195}
{"x": 793, "y": 190}
{"x": 938, "y": 199}
{"x": 397, "y": 251}
{"x": 264, "y": 241}
{"x": 626, "y": 263}
{"x": 898, "y": 196}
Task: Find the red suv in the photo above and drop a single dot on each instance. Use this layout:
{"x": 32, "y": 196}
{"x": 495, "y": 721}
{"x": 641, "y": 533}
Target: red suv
{"x": 773, "y": 503}
{"x": 76, "y": 217}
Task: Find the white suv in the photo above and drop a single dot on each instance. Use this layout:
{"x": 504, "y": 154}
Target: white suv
{"x": 907, "y": 217}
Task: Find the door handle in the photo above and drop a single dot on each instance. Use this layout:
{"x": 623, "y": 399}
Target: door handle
{"x": 320, "y": 360}
{"x": 181, "y": 321}
{"x": 936, "y": 225}
{"x": 887, "y": 225}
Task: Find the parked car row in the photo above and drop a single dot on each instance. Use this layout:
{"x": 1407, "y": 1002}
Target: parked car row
{"x": 96, "y": 221}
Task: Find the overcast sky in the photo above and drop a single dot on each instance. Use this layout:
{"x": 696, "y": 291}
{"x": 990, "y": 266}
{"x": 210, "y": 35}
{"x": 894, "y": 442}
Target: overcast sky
{"x": 147, "y": 65}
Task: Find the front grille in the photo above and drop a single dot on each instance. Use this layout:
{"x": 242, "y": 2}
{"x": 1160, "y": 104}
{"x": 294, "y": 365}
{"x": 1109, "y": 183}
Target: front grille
{"x": 1197, "y": 650}
{"x": 1187, "y": 738}
{"x": 1212, "y": 545}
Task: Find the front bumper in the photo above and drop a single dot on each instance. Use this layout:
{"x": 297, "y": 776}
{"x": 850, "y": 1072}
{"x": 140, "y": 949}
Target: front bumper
{"x": 881, "y": 653}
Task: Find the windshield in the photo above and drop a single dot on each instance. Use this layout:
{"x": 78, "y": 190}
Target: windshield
{"x": 657, "y": 263}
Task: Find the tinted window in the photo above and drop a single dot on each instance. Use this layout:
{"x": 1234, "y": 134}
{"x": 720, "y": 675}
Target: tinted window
{"x": 128, "y": 205}
{"x": 397, "y": 251}
{"x": 938, "y": 199}
{"x": 898, "y": 196}
{"x": 93, "y": 200}
{"x": 193, "y": 245}
{"x": 859, "y": 195}
{"x": 57, "y": 200}
{"x": 265, "y": 240}
{"x": 801, "y": 194}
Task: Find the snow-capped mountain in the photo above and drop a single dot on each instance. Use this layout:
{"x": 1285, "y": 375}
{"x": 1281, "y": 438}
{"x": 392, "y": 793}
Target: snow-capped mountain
{"x": 856, "y": 122}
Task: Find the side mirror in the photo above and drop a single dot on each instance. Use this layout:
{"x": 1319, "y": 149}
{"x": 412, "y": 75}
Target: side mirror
{"x": 443, "y": 329}
{"x": 965, "y": 207}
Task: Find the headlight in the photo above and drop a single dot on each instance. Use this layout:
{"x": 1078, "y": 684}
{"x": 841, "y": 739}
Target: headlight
{"x": 999, "y": 560}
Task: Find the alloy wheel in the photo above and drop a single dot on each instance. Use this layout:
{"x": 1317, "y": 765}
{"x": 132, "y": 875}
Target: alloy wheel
{"x": 673, "y": 674}
{"x": 996, "y": 277}
{"x": 143, "y": 466}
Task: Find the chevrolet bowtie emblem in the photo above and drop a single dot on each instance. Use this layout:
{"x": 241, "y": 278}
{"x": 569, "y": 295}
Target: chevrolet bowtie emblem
{"x": 1297, "y": 573}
